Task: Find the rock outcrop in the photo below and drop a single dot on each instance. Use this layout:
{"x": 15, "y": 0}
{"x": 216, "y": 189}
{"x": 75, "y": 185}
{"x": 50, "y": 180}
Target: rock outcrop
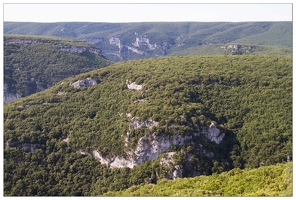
{"x": 115, "y": 162}
{"x": 84, "y": 83}
{"x": 174, "y": 172}
{"x": 151, "y": 146}
{"x": 213, "y": 133}
{"x": 148, "y": 148}
{"x": 133, "y": 86}
{"x": 28, "y": 146}
{"x": 142, "y": 41}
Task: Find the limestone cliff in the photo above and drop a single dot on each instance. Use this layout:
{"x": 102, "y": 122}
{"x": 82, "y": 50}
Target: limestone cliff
{"x": 149, "y": 147}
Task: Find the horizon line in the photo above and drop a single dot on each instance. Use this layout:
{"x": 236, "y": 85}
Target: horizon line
{"x": 146, "y": 21}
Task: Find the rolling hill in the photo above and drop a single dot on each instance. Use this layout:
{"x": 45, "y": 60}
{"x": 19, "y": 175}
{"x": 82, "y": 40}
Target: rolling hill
{"x": 140, "y": 121}
{"x": 34, "y": 63}
{"x": 128, "y": 41}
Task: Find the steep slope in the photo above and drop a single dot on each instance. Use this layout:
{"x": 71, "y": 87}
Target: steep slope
{"x": 127, "y": 41}
{"x": 32, "y": 64}
{"x": 275, "y": 180}
{"x": 148, "y": 119}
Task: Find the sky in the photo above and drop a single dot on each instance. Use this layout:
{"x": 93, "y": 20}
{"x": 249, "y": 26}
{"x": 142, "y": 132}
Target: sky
{"x": 144, "y": 12}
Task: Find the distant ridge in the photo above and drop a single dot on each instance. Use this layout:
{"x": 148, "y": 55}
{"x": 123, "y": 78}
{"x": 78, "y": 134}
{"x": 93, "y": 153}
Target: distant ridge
{"x": 128, "y": 41}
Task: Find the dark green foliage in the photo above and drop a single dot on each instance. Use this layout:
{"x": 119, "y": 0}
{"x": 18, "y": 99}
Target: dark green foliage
{"x": 33, "y": 63}
{"x": 54, "y": 170}
{"x": 249, "y": 97}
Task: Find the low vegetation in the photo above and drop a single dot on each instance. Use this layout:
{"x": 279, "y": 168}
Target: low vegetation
{"x": 274, "y": 180}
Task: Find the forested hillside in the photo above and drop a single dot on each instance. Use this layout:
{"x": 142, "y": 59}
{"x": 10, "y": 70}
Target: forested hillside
{"x": 144, "y": 120}
{"x": 33, "y": 63}
{"x": 274, "y": 180}
{"x": 128, "y": 41}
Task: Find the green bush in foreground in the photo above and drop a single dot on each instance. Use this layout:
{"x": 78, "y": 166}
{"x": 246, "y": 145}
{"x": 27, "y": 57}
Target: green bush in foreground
{"x": 275, "y": 180}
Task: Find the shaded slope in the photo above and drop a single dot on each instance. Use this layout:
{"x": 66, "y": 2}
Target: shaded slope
{"x": 32, "y": 63}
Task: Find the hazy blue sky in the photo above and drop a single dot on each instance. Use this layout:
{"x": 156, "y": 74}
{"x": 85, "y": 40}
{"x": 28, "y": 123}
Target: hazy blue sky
{"x": 147, "y": 12}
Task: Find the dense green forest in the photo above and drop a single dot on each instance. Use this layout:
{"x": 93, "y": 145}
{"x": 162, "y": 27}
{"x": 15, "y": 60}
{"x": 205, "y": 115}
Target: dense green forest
{"x": 128, "y": 41}
{"x": 34, "y": 63}
{"x": 50, "y": 135}
{"x": 274, "y": 180}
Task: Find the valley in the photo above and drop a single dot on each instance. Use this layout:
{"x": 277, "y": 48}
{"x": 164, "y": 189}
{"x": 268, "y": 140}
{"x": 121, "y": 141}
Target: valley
{"x": 147, "y": 109}
{"x": 128, "y": 41}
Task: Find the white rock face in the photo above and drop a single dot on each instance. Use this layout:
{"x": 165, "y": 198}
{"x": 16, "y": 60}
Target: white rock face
{"x": 115, "y": 162}
{"x": 135, "y": 50}
{"x": 149, "y": 148}
{"x": 84, "y": 83}
{"x": 115, "y": 41}
{"x": 133, "y": 86}
{"x": 177, "y": 173}
{"x": 144, "y": 41}
{"x": 66, "y": 140}
{"x": 213, "y": 133}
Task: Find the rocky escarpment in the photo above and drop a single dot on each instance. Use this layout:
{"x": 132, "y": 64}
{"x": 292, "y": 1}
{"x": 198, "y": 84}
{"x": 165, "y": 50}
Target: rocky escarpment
{"x": 118, "y": 49}
{"x": 149, "y": 147}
